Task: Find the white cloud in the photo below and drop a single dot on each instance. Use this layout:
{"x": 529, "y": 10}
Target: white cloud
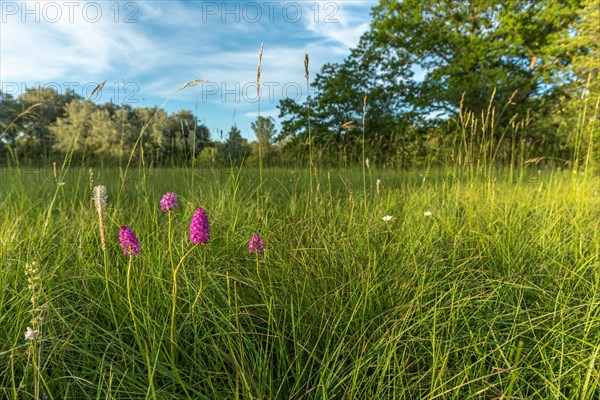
{"x": 273, "y": 112}
{"x": 76, "y": 51}
{"x": 341, "y": 23}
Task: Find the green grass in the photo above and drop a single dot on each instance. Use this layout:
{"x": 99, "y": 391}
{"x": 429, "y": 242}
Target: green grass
{"x": 495, "y": 295}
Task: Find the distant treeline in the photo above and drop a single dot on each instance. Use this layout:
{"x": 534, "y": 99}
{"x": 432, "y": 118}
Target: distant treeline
{"x": 42, "y": 125}
{"x": 461, "y": 82}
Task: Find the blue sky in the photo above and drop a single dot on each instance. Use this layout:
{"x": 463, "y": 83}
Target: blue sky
{"x": 146, "y": 50}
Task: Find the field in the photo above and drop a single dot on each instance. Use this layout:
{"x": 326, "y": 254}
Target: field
{"x": 485, "y": 283}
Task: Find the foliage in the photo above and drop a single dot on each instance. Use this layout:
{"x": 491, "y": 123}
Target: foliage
{"x": 265, "y": 131}
{"x": 25, "y": 122}
{"x": 471, "y": 52}
{"x": 424, "y": 62}
{"x": 337, "y": 110}
{"x": 576, "y": 112}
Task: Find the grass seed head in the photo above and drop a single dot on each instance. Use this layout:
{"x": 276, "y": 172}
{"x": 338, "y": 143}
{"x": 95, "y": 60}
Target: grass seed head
{"x": 99, "y": 197}
{"x": 306, "y": 65}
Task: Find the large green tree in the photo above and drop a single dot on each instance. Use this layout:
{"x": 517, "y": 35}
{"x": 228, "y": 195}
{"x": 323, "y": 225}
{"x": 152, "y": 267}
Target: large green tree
{"x": 25, "y": 121}
{"x": 156, "y": 128}
{"x": 9, "y": 126}
{"x": 578, "y": 113}
{"x": 191, "y": 136}
{"x": 110, "y": 133}
{"x": 423, "y": 61}
{"x": 264, "y": 129}
{"x": 346, "y": 97}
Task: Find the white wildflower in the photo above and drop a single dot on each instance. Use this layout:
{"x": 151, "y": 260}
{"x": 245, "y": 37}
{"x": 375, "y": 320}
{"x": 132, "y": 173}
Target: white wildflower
{"x": 387, "y": 218}
{"x": 30, "y": 334}
{"x": 427, "y": 213}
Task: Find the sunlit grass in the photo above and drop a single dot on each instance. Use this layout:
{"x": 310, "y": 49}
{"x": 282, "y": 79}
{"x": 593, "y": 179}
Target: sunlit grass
{"x": 496, "y": 293}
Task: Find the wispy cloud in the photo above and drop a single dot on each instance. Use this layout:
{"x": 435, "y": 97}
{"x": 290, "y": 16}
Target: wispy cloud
{"x": 341, "y": 24}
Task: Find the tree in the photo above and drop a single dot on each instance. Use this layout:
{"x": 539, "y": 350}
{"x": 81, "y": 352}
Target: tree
{"x": 192, "y": 137}
{"x": 170, "y": 138}
{"x": 585, "y": 46}
{"x": 125, "y": 133}
{"x": 46, "y": 106}
{"x": 104, "y": 138}
{"x": 235, "y": 148}
{"x": 265, "y": 131}
{"x": 156, "y": 129}
{"x": 70, "y": 134}
{"x": 91, "y": 133}
{"x": 346, "y": 95}
{"x": 575, "y": 112}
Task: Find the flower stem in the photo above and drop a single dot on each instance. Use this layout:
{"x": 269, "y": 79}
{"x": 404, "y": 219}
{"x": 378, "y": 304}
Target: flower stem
{"x": 170, "y": 241}
{"x": 257, "y": 273}
{"x": 143, "y": 349}
{"x": 101, "y": 228}
{"x": 174, "y": 310}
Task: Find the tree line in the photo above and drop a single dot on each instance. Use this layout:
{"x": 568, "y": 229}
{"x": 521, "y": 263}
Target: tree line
{"x": 42, "y": 124}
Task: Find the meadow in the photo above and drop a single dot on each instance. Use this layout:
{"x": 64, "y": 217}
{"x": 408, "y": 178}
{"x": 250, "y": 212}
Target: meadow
{"x": 483, "y": 284}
